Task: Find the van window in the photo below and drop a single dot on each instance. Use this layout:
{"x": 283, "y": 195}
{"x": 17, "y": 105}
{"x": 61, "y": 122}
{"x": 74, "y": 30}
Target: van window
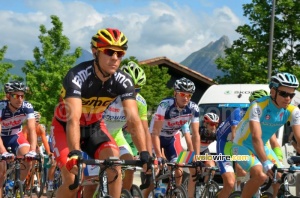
{"x": 222, "y": 110}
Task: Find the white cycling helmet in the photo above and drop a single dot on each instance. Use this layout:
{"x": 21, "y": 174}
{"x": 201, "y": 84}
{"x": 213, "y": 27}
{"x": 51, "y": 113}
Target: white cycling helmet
{"x": 14, "y": 86}
{"x": 284, "y": 79}
{"x": 185, "y": 85}
{"x": 211, "y": 117}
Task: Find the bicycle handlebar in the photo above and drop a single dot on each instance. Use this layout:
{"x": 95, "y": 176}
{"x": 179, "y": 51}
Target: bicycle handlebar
{"x": 293, "y": 160}
{"x": 112, "y": 161}
{"x": 275, "y": 169}
{"x": 186, "y": 165}
{"x": 37, "y": 157}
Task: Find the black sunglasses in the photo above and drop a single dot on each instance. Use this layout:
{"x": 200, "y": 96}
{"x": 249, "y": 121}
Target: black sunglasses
{"x": 285, "y": 94}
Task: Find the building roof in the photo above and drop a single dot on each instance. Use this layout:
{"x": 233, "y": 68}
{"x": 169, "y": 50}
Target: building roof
{"x": 181, "y": 68}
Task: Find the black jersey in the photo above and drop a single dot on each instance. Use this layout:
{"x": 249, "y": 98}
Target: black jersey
{"x": 82, "y": 82}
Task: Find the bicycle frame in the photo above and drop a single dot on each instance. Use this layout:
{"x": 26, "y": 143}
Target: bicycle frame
{"x": 284, "y": 187}
{"x": 104, "y": 164}
{"x": 16, "y": 167}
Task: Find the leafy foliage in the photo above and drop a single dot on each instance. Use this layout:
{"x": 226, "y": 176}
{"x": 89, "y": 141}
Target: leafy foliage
{"x": 52, "y": 62}
{"x": 247, "y": 59}
{"x": 155, "y": 88}
{"x": 5, "y": 75}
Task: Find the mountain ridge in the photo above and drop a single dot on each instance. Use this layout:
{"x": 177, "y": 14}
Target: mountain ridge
{"x": 202, "y": 60}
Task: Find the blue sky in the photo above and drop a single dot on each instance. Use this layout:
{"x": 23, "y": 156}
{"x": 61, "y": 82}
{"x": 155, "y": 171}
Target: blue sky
{"x": 171, "y": 28}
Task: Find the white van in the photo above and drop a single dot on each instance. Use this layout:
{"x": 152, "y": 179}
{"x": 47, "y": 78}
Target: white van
{"x": 222, "y": 99}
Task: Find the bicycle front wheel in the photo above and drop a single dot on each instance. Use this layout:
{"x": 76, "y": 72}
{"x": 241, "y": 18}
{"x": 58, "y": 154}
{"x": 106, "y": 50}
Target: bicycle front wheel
{"x": 18, "y": 190}
{"x": 43, "y": 184}
{"x": 178, "y": 192}
{"x": 125, "y": 194}
{"x": 266, "y": 195}
{"x": 235, "y": 194}
{"x": 136, "y": 191}
{"x": 210, "y": 190}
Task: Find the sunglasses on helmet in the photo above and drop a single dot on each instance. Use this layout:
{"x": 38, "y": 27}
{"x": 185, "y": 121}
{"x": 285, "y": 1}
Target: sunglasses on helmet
{"x": 111, "y": 52}
{"x": 182, "y": 94}
{"x": 285, "y": 94}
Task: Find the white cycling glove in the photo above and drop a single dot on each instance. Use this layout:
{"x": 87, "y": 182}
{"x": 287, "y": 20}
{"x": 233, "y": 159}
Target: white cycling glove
{"x": 31, "y": 155}
{"x": 7, "y": 155}
{"x": 268, "y": 165}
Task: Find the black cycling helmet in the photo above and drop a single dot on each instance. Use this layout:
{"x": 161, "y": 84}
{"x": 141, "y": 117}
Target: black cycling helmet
{"x": 185, "y": 85}
{"x": 14, "y": 86}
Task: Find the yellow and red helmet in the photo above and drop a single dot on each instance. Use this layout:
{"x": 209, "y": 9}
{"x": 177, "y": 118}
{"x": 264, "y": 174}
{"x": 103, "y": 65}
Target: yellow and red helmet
{"x": 109, "y": 37}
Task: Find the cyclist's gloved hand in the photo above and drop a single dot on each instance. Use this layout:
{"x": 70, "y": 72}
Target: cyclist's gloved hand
{"x": 7, "y": 155}
{"x": 161, "y": 161}
{"x": 72, "y": 160}
{"x": 268, "y": 165}
{"x": 145, "y": 157}
{"x": 198, "y": 164}
{"x": 30, "y": 155}
{"x": 146, "y": 160}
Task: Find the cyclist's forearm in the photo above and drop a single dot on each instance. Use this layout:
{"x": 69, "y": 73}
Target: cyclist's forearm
{"x": 32, "y": 134}
{"x": 148, "y": 136}
{"x": 259, "y": 149}
{"x": 138, "y": 135}
{"x": 33, "y": 141}
{"x": 156, "y": 145}
{"x": 196, "y": 143}
{"x": 41, "y": 151}
{"x": 2, "y": 148}
{"x": 189, "y": 142}
{"x": 47, "y": 148}
{"x": 73, "y": 135}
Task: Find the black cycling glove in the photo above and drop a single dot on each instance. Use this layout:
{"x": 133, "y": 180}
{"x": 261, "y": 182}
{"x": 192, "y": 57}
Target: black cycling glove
{"x": 145, "y": 157}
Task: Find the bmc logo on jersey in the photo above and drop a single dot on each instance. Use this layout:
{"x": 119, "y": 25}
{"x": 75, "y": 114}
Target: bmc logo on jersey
{"x": 81, "y": 76}
{"x": 123, "y": 79}
{"x": 94, "y": 101}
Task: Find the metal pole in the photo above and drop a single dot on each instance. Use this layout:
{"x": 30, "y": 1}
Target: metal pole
{"x": 270, "y": 56}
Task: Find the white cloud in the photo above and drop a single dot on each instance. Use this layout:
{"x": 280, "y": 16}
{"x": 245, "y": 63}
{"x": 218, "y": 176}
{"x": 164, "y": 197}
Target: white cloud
{"x": 156, "y": 30}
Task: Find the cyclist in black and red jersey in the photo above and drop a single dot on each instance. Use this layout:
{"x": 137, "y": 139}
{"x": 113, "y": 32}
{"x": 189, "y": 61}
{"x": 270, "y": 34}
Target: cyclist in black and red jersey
{"x": 88, "y": 89}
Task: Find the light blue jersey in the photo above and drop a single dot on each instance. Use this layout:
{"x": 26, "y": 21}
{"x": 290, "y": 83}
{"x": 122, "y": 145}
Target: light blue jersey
{"x": 270, "y": 117}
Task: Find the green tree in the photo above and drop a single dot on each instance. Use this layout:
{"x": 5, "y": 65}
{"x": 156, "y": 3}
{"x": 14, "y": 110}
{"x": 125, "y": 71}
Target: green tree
{"x": 44, "y": 75}
{"x": 155, "y": 88}
{"x": 247, "y": 59}
{"x": 5, "y": 76}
